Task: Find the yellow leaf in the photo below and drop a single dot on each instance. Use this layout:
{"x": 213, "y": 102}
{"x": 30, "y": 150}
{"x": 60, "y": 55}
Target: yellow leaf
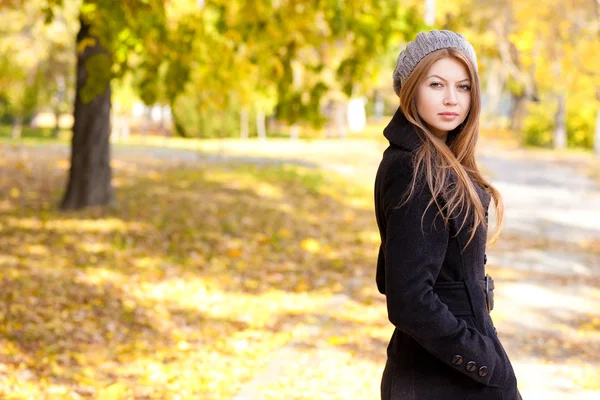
{"x": 87, "y": 42}
{"x": 252, "y": 283}
{"x": 262, "y": 238}
{"x": 337, "y": 340}
{"x": 63, "y": 164}
{"x": 183, "y": 345}
{"x": 301, "y": 286}
{"x": 154, "y": 176}
{"x": 234, "y": 253}
{"x": 310, "y": 245}
{"x": 284, "y": 233}
{"x": 15, "y": 192}
{"x": 114, "y": 391}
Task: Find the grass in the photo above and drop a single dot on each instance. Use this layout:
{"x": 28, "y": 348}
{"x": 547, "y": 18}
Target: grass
{"x": 33, "y": 136}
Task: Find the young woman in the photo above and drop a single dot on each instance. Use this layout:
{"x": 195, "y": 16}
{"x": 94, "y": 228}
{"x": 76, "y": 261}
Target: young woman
{"x": 431, "y": 206}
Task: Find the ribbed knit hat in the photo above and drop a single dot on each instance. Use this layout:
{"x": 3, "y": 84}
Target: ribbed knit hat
{"x": 425, "y": 43}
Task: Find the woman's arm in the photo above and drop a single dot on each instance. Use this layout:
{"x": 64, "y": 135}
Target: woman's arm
{"x": 414, "y": 251}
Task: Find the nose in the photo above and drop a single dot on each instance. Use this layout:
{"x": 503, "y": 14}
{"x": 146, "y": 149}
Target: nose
{"x": 450, "y": 97}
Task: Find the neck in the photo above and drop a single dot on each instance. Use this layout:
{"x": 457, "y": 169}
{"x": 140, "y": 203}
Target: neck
{"x": 441, "y": 139}
{"x": 440, "y": 136}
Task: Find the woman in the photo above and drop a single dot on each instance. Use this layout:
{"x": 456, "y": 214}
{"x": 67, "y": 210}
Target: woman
{"x": 431, "y": 206}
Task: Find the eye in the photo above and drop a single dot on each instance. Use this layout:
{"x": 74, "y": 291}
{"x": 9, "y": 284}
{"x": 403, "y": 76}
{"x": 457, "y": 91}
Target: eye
{"x": 435, "y": 84}
{"x": 465, "y": 87}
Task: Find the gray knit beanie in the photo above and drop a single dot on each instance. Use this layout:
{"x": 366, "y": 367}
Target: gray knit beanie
{"x": 425, "y": 43}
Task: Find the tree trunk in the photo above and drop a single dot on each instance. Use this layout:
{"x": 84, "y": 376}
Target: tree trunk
{"x": 178, "y": 127}
{"x": 163, "y": 120}
{"x": 597, "y": 133}
{"x": 493, "y": 95}
{"x": 560, "y": 129}
{"x": 294, "y": 132}
{"x": 261, "y": 127}
{"x": 244, "y": 122}
{"x": 59, "y": 98}
{"x": 90, "y": 173}
{"x": 340, "y": 119}
{"x": 430, "y": 12}
{"x": 518, "y": 113}
{"x": 147, "y": 114}
{"x": 17, "y": 127}
{"x": 379, "y": 106}
{"x": 330, "y": 116}
{"x": 56, "y": 130}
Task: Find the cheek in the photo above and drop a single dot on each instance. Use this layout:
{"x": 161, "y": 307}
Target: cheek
{"x": 467, "y": 107}
{"x": 425, "y": 101}
{"x": 466, "y": 101}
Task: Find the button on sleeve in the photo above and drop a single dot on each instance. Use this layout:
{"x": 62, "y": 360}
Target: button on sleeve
{"x": 471, "y": 366}
{"x": 457, "y": 359}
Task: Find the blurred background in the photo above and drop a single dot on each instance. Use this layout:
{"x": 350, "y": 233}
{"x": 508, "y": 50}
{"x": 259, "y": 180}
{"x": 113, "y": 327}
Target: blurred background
{"x": 186, "y": 193}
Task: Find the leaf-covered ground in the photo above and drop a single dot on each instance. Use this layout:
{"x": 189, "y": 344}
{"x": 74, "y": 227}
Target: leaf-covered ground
{"x": 211, "y": 279}
{"x": 179, "y": 292}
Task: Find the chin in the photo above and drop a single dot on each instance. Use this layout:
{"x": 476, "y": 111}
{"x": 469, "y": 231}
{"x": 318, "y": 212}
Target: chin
{"x": 446, "y": 127}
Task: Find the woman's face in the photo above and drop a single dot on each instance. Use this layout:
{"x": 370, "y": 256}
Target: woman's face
{"x": 444, "y": 96}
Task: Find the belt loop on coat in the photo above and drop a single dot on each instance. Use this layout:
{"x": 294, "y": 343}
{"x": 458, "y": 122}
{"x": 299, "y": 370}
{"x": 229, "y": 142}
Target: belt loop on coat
{"x": 488, "y": 288}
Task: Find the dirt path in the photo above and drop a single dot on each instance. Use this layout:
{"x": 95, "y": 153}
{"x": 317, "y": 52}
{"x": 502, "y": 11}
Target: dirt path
{"x": 548, "y": 269}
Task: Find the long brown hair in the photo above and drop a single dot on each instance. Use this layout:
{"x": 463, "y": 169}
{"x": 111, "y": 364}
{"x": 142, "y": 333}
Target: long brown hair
{"x": 459, "y": 156}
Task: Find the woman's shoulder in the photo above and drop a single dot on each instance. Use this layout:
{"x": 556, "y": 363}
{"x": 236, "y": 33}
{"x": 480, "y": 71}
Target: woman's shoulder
{"x": 396, "y": 163}
{"x": 395, "y": 174}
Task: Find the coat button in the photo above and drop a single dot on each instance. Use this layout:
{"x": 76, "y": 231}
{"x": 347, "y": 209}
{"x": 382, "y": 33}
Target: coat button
{"x": 483, "y": 371}
{"x": 457, "y": 360}
{"x": 484, "y": 259}
{"x": 471, "y": 366}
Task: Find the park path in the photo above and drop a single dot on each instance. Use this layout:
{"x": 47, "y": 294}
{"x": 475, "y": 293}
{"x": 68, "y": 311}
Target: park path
{"x": 549, "y": 273}
{"x": 546, "y": 267}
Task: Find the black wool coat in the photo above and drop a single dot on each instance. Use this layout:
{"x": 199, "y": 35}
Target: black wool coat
{"x": 444, "y": 345}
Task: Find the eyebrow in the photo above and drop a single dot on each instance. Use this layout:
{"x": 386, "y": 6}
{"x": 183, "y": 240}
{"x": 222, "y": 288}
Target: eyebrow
{"x": 437, "y": 76}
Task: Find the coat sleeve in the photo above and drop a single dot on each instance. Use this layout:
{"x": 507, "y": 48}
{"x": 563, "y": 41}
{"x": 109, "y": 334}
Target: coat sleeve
{"x": 414, "y": 252}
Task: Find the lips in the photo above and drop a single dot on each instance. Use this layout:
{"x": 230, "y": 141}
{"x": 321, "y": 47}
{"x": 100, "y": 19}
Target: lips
{"x": 448, "y": 116}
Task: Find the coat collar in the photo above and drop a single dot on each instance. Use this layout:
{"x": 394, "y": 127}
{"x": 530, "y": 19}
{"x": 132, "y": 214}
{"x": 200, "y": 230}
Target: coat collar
{"x": 401, "y": 132}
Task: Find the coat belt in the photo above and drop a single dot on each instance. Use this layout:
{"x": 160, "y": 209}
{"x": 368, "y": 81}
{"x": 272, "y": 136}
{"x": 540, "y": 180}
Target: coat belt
{"x": 456, "y": 297}
{"x": 488, "y": 289}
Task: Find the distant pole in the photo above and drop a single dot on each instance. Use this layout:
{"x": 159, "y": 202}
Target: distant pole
{"x": 430, "y": 12}
{"x": 597, "y": 130}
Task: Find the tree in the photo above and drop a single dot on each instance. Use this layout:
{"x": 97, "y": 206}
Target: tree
{"x": 111, "y": 40}
{"x": 90, "y": 174}
{"x": 283, "y": 57}
{"x": 33, "y": 60}
{"x": 547, "y": 51}
{"x": 591, "y": 30}
{"x": 562, "y": 46}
